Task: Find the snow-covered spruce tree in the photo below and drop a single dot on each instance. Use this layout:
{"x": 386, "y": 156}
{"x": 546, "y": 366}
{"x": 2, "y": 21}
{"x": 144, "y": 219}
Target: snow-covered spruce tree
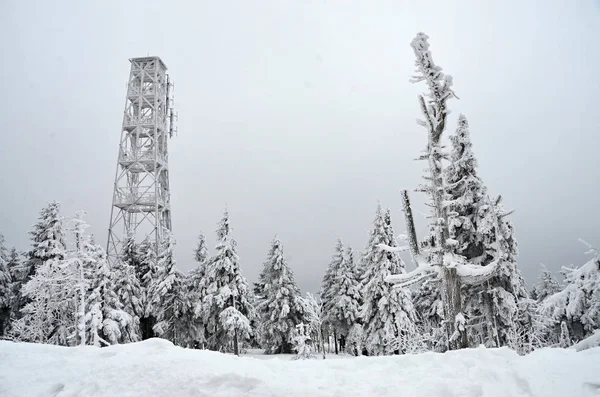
{"x": 5, "y": 289}
{"x": 47, "y": 242}
{"x": 168, "y": 296}
{"x": 330, "y": 290}
{"x": 387, "y": 312}
{"x": 129, "y": 293}
{"x": 280, "y": 305}
{"x": 547, "y": 284}
{"x": 196, "y": 284}
{"x": 502, "y": 293}
{"x": 345, "y": 311}
{"x": 56, "y": 295}
{"x": 452, "y": 270}
{"x": 227, "y": 309}
{"x": 578, "y": 304}
{"x": 47, "y": 238}
{"x": 50, "y": 313}
{"x": 111, "y": 318}
{"x": 472, "y": 236}
{"x": 147, "y": 273}
{"x": 314, "y": 321}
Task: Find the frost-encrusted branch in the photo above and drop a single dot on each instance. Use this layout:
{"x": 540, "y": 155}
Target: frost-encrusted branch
{"x": 423, "y": 272}
{"x": 387, "y": 248}
{"x": 592, "y": 250}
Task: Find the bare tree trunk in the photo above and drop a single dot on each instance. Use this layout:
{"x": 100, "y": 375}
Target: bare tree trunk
{"x": 410, "y": 227}
{"x": 452, "y": 307}
{"x": 335, "y": 341}
{"x": 322, "y": 341}
{"x": 236, "y": 350}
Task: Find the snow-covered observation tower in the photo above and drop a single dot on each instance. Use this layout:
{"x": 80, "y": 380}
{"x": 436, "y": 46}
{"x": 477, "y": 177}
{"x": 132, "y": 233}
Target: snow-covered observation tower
{"x": 141, "y": 198}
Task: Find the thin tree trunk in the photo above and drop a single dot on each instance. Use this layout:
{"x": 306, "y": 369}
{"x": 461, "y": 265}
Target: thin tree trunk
{"x": 235, "y": 343}
{"x": 335, "y": 341}
{"x": 322, "y": 341}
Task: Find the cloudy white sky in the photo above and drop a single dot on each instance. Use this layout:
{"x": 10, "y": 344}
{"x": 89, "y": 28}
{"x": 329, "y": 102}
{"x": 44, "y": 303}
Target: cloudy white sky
{"x": 299, "y": 116}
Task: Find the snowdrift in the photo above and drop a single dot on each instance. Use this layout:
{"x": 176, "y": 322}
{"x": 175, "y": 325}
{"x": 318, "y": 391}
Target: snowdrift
{"x": 157, "y": 368}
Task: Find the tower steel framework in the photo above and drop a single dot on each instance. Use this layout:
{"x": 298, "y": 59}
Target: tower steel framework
{"x": 141, "y": 198}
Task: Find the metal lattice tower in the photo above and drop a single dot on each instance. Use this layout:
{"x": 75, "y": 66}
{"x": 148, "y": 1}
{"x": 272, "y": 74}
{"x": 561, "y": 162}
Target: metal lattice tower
{"x": 141, "y": 198}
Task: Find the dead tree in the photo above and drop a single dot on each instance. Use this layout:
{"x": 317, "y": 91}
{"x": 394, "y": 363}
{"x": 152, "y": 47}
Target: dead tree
{"x": 452, "y": 270}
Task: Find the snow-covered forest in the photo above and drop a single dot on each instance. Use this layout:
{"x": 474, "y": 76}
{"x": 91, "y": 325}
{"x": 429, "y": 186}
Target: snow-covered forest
{"x": 457, "y": 287}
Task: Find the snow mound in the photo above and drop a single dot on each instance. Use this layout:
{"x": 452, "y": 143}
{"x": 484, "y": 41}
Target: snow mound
{"x": 157, "y": 368}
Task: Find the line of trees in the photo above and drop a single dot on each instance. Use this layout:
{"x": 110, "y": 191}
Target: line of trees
{"x": 465, "y": 288}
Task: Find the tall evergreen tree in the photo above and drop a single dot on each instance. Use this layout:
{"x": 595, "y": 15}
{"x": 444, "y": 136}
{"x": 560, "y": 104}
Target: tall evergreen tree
{"x": 47, "y": 238}
{"x": 280, "y": 306}
{"x": 345, "y": 311}
{"x": 330, "y": 290}
{"x": 472, "y": 220}
{"x": 227, "y": 309}
{"x": 169, "y": 297}
{"x": 147, "y": 273}
{"x": 107, "y": 319}
{"x": 196, "y": 284}
{"x": 387, "y": 312}
{"x": 47, "y": 243}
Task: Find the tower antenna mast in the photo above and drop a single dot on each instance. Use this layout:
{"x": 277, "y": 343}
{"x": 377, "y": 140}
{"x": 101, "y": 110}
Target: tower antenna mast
{"x": 141, "y": 204}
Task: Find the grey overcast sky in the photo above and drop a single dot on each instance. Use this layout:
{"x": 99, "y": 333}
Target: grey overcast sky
{"x": 299, "y": 116}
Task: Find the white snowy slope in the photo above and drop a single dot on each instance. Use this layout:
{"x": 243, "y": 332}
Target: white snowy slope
{"x": 157, "y": 368}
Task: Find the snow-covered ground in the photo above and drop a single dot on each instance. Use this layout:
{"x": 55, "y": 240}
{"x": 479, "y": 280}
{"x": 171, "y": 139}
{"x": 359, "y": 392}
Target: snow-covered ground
{"x": 157, "y": 368}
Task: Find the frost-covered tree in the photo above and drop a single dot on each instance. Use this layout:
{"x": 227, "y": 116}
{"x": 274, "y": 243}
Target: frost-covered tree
{"x": 226, "y": 308}
{"x": 472, "y": 236}
{"x": 547, "y": 284}
{"x": 56, "y": 291}
{"x": 440, "y": 261}
{"x": 330, "y": 290}
{"x": 314, "y": 320}
{"x": 108, "y": 317}
{"x": 50, "y": 315}
{"x": 47, "y": 243}
{"x": 47, "y": 238}
{"x": 129, "y": 293}
{"x": 345, "y": 311}
{"x": 578, "y": 304}
{"x": 387, "y": 312}
{"x": 147, "y": 272}
{"x": 196, "y": 284}
{"x": 280, "y": 305}
{"x": 168, "y": 295}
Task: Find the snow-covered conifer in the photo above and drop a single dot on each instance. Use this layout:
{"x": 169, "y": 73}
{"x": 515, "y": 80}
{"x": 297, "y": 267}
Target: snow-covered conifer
{"x": 387, "y": 312}
{"x": 578, "y": 304}
{"x": 108, "y": 321}
{"x": 168, "y": 296}
{"x": 345, "y": 311}
{"x": 280, "y": 306}
{"x": 226, "y": 287}
{"x": 47, "y": 242}
{"x": 47, "y": 238}
{"x": 547, "y": 284}
{"x": 330, "y": 290}
{"x": 147, "y": 272}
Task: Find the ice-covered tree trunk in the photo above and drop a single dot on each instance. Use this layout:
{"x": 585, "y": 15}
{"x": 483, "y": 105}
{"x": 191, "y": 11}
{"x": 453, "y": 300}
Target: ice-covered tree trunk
{"x": 411, "y": 234}
{"x": 435, "y": 112}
